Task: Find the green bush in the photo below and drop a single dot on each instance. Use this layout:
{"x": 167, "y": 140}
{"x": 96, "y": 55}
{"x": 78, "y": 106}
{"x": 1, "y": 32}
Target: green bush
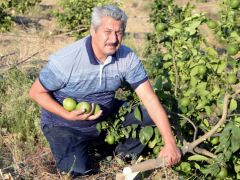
{"x": 192, "y": 77}
{"x": 75, "y": 15}
{"x": 5, "y": 21}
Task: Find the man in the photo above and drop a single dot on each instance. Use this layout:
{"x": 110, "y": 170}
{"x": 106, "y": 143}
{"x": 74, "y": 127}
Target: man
{"x": 92, "y": 69}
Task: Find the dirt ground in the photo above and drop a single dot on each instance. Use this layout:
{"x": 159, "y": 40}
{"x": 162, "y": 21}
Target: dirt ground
{"x": 33, "y": 37}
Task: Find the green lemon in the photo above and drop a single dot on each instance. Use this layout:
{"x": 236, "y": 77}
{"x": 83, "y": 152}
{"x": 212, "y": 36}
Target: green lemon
{"x": 232, "y": 50}
{"x": 156, "y": 150}
{"x": 185, "y": 167}
{"x": 97, "y": 108}
{"x": 110, "y": 139}
{"x": 202, "y": 69}
{"x": 184, "y": 101}
{"x": 215, "y": 140}
{"x": 98, "y": 127}
{"x": 160, "y": 27}
{"x": 237, "y": 168}
{"x": 84, "y": 105}
{"x": 212, "y": 24}
{"x": 223, "y": 173}
{"x": 234, "y": 3}
{"x": 69, "y": 104}
{"x": 232, "y": 78}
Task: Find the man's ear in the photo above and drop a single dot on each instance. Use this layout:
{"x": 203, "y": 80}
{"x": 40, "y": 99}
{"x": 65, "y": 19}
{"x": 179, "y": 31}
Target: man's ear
{"x": 92, "y": 30}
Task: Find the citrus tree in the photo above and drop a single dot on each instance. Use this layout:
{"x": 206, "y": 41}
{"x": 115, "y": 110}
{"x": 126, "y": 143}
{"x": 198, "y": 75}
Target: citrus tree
{"x": 197, "y": 76}
{"x": 198, "y": 84}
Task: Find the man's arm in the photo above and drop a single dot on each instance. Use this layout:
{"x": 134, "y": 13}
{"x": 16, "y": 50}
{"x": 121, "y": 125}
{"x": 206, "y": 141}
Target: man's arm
{"x": 159, "y": 116}
{"x": 39, "y": 94}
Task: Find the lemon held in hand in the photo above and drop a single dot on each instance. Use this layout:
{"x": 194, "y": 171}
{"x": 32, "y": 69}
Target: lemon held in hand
{"x": 97, "y": 108}
{"x": 69, "y": 104}
{"x": 86, "y": 106}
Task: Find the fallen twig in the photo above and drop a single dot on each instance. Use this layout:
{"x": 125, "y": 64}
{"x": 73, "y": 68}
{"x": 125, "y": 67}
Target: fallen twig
{"x": 22, "y": 61}
{"x": 6, "y": 55}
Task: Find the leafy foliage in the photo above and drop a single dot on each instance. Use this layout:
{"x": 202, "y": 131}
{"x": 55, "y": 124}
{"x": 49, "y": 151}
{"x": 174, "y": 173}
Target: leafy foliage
{"x": 19, "y": 5}
{"x": 6, "y": 6}
{"x": 5, "y": 21}
{"x": 75, "y": 15}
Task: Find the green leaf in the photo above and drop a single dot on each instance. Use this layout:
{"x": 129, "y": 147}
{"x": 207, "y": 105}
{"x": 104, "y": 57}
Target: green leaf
{"x": 125, "y": 133}
{"x": 235, "y": 139}
{"x": 206, "y": 123}
{"x": 225, "y": 138}
{"x": 158, "y": 84}
{"x": 167, "y": 56}
{"x": 216, "y": 90}
{"x": 201, "y": 104}
{"x": 152, "y": 143}
{"x": 202, "y": 86}
{"x": 208, "y": 110}
{"x": 173, "y": 31}
{"x": 116, "y": 123}
{"x": 212, "y": 52}
{"x": 197, "y": 166}
{"x": 145, "y": 134}
{"x": 134, "y": 134}
{"x": 167, "y": 65}
{"x": 190, "y": 92}
{"x": 233, "y": 105}
{"x": 212, "y": 169}
{"x": 203, "y": 93}
{"x": 137, "y": 114}
{"x": 134, "y": 126}
{"x": 221, "y": 67}
{"x": 194, "y": 71}
{"x": 198, "y": 157}
{"x": 157, "y": 134}
{"x": 193, "y": 81}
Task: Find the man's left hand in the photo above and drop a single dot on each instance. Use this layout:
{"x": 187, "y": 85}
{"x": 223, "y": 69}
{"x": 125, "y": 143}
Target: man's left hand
{"x": 171, "y": 153}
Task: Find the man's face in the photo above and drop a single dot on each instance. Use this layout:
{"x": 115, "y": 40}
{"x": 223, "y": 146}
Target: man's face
{"x": 107, "y": 38}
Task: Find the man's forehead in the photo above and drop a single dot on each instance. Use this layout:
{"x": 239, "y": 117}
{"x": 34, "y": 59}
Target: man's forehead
{"x": 109, "y": 20}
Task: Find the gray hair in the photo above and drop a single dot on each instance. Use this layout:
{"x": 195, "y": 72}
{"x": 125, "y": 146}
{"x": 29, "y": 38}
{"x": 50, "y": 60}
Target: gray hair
{"x": 111, "y": 11}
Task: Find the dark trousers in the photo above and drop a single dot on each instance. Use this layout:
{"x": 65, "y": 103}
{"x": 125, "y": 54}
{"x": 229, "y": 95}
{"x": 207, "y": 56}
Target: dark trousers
{"x": 70, "y": 146}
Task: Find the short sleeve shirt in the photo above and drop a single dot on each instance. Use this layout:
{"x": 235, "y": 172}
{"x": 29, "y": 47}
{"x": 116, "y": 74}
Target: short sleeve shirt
{"x": 74, "y": 72}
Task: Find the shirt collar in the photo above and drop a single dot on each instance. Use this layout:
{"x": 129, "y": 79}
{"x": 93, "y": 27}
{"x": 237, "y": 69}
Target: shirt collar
{"x": 91, "y": 55}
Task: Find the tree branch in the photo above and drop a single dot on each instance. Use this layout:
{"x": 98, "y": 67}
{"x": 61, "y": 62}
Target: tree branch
{"x": 194, "y": 126}
{"x": 204, "y": 152}
{"x": 214, "y": 129}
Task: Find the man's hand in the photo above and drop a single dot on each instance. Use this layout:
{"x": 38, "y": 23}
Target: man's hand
{"x": 81, "y": 115}
{"x": 171, "y": 154}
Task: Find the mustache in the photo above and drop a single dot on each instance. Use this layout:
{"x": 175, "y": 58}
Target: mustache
{"x": 112, "y": 44}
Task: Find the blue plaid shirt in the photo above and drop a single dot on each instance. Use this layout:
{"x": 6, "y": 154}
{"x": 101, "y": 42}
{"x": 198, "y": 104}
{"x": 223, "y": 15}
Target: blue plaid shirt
{"x": 74, "y": 72}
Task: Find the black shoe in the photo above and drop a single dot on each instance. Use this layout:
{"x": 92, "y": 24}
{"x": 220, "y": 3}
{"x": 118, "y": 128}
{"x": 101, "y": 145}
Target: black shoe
{"x": 127, "y": 157}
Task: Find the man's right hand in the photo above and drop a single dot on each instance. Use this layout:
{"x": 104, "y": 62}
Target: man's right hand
{"x": 80, "y": 114}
